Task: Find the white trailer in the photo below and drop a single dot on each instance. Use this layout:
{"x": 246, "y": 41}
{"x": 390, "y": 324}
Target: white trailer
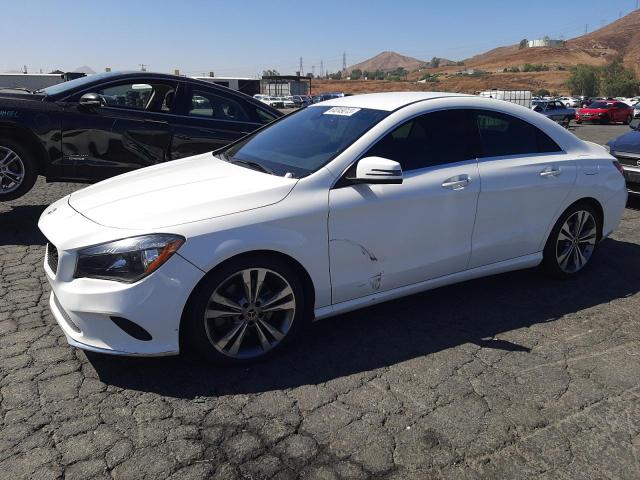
{"x": 519, "y": 97}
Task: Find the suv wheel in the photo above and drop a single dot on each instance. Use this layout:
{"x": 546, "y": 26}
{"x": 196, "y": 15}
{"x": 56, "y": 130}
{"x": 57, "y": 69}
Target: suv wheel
{"x": 18, "y": 170}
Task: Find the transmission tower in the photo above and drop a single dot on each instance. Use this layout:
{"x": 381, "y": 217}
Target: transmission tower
{"x": 344, "y": 60}
{"x": 300, "y": 68}
{"x": 321, "y": 68}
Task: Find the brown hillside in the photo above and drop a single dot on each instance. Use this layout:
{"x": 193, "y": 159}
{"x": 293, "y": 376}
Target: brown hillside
{"x": 387, "y": 61}
{"x": 620, "y": 38}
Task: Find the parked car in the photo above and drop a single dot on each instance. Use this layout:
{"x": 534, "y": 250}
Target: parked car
{"x": 636, "y": 110}
{"x": 231, "y": 253}
{"x": 626, "y": 148}
{"x": 326, "y": 96}
{"x": 570, "y": 102}
{"x": 102, "y": 125}
{"x": 273, "y": 102}
{"x": 605, "y": 111}
{"x": 555, "y": 110}
{"x": 287, "y": 102}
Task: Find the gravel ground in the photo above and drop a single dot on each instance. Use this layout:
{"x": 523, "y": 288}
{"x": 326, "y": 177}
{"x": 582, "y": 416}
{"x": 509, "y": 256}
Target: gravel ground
{"x": 508, "y": 377}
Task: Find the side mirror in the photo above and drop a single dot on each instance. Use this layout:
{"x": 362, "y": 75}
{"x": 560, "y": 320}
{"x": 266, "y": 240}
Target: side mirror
{"x": 91, "y": 101}
{"x": 377, "y": 170}
{"x": 635, "y": 124}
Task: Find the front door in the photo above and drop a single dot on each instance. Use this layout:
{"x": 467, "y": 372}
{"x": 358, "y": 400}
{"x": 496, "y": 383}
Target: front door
{"x": 128, "y": 131}
{"x": 383, "y": 237}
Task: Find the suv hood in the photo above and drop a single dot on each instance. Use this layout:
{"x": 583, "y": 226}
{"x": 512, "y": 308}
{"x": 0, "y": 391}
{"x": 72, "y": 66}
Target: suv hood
{"x": 177, "y": 192}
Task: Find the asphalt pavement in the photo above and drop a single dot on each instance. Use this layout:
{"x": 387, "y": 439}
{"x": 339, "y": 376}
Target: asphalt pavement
{"x": 510, "y": 377}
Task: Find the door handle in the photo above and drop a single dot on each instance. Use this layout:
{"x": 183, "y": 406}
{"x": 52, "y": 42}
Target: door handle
{"x": 457, "y": 183}
{"x": 550, "y": 172}
{"x": 156, "y": 122}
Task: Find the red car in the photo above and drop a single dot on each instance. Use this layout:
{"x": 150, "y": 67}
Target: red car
{"x": 605, "y": 111}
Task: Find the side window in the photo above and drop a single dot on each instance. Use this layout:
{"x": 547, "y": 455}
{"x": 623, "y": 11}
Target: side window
{"x": 264, "y": 117}
{"x": 155, "y": 97}
{"x": 432, "y": 139}
{"x": 502, "y": 134}
{"x": 209, "y": 105}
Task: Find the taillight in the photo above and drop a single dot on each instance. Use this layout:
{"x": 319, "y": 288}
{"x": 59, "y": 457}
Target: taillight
{"x": 618, "y": 166}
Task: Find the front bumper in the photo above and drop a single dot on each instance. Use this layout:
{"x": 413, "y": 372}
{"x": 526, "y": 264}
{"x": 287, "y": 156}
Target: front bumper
{"x": 84, "y": 307}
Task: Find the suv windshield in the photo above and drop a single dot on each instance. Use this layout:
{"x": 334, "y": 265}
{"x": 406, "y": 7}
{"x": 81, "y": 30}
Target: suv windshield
{"x": 305, "y": 141}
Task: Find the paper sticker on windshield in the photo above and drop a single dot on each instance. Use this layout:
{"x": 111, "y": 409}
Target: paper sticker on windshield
{"x": 345, "y": 111}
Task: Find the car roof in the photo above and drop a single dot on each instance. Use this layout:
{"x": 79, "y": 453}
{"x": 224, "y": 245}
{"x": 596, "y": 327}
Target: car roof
{"x": 388, "y": 101}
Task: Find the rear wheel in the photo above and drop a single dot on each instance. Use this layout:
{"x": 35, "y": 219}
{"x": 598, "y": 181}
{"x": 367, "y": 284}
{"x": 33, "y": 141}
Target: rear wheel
{"x": 18, "y": 170}
{"x": 572, "y": 241}
{"x": 246, "y": 310}
{"x": 628, "y": 120}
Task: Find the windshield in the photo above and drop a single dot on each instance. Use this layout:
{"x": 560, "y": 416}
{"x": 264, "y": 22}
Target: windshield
{"x": 599, "y": 105}
{"x": 305, "y": 141}
{"x": 71, "y": 84}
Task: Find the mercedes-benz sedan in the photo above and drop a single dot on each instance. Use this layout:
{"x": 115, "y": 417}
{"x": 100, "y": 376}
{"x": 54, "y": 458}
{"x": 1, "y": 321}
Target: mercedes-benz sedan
{"x": 341, "y": 205}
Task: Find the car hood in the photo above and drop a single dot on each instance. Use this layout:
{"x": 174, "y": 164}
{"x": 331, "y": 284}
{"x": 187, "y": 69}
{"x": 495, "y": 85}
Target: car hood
{"x": 629, "y": 142}
{"x": 178, "y": 192}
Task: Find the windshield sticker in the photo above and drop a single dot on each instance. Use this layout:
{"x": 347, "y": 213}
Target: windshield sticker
{"x": 345, "y": 111}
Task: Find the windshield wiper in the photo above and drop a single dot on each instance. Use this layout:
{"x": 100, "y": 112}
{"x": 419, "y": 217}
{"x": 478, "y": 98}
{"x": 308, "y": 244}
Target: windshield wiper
{"x": 253, "y": 165}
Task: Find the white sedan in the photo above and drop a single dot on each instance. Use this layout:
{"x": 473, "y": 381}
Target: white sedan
{"x": 379, "y": 196}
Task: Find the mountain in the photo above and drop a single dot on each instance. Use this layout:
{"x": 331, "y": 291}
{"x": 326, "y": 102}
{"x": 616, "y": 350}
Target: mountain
{"x": 618, "y": 39}
{"x": 388, "y": 61}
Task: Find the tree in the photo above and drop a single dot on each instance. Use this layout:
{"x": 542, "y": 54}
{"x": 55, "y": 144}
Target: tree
{"x": 336, "y": 76}
{"x": 435, "y": 62}
{"x": 270, "y": 73}
{"x": 356, "y": 74}
{"x": 584, "y": 80}
{"x": 524, "y": 43}
{"x": 543, "y": 92}
{"x": 618, "y": 81}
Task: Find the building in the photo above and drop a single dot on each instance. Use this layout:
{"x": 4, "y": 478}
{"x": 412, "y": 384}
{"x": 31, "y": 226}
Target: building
{"x": 545, "y": 42}
{"x": 35, "y": 81}
{"x": 283, "y": 85}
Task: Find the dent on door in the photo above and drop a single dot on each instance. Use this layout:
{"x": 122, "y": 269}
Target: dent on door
{"x": 350, "y": 252}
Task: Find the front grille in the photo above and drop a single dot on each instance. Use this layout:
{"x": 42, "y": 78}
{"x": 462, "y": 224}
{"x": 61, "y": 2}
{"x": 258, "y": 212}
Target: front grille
{"x": 52, "y": 257}
{"x": 630, "y": 159}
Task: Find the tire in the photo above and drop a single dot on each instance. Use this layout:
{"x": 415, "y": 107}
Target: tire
{"x": 16, "y": 159}
{"x": 560, "y": 258}
{"x": 628, "y": 120}
{"x": 256, "y": 327}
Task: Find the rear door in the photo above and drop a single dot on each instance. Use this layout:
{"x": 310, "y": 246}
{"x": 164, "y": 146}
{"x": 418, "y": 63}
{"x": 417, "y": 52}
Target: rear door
{"x": 525, "y": 178}
{"x": 209, "y": 119}
{"x": 129, "y": 131}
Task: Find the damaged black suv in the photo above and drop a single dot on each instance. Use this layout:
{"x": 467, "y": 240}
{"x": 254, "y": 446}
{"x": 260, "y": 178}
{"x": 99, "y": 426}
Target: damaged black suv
{"x": 98, "y": 126}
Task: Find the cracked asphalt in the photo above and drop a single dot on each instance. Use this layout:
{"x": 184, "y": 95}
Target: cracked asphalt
{"x": 510, "y": 377}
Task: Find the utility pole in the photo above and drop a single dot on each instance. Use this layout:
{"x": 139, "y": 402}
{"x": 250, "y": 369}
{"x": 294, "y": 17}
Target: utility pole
{"x": 321, "y": 68}
{"x": 344, "y": 60}
{"x": 313, "y": 70}
{"x": 142, "y": 65}
{"x": 300, "y": 69}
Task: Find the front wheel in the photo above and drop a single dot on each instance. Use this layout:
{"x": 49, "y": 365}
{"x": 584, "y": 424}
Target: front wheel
{"x": 572, "y": 241}
{"x": 246, "y": 310}
{"x": 18, "y": 170}
{"x": 628, "y": 120}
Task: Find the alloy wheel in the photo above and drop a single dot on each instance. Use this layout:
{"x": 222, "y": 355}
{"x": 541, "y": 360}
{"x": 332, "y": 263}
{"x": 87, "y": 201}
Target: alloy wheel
{"x": 250, "y": 313}
{"x": 12, "y": 170}
{"x": 576, "y": 241}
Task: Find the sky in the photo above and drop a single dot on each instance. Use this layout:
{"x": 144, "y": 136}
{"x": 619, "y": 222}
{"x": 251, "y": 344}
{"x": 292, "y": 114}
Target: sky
{"x": 243, "y": 37}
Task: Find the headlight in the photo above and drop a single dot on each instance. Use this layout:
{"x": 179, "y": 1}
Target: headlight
{"x": 127, "y": 260}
